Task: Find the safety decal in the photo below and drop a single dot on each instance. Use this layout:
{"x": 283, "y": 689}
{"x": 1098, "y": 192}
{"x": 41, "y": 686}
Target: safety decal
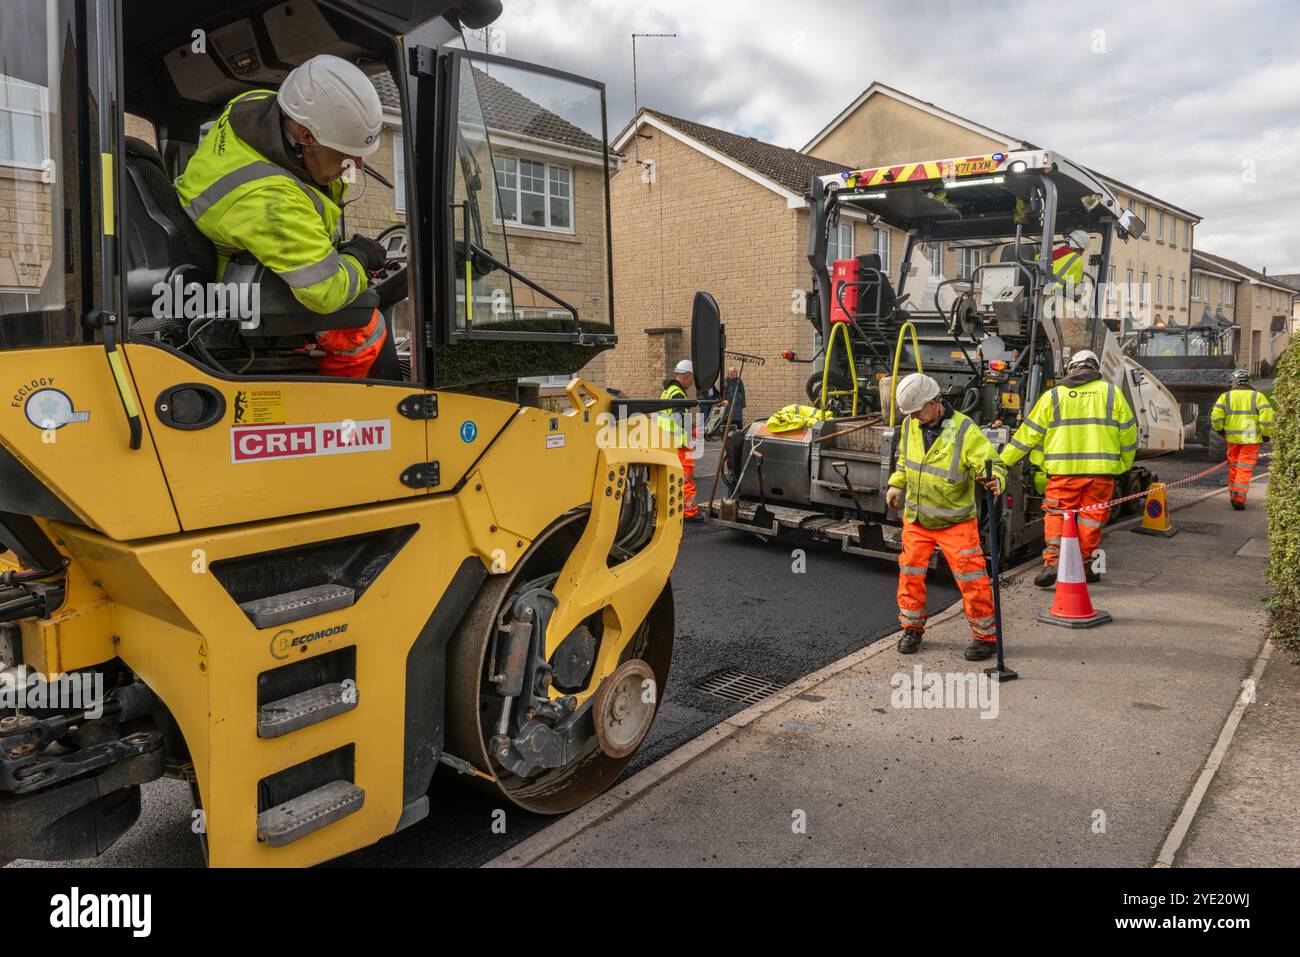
{"x": 51, "y": 408}
{"x": 261, "y": 443}
{"x": 258, "y": 407}
{"x": 555, "y": 441}
{"x": 468, "y": 431}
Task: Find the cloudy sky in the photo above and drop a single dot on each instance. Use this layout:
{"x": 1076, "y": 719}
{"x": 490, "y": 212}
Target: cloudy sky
{"x": 1196, "y": 103}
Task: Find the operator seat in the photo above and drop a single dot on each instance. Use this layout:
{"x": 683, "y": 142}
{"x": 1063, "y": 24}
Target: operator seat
{"x": 874, "y": 282}
{"x": 161, "y": 241}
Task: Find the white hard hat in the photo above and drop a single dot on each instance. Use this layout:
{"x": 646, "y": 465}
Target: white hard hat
{"x": 914, "y": 391}
{"x": 337, "y": 102}
{"x": 1084, "y": 357}
{"x": 1079, "y": 238}
{"x": 684, "y": 366}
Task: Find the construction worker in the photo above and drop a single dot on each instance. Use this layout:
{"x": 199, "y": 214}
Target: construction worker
{"x": 941, "y": 455}
{"x": 1088, "y": 436}
{"x": 268, "y": 179}
{"x": 1244, "y": 417}
{"x": 674, "y": 423}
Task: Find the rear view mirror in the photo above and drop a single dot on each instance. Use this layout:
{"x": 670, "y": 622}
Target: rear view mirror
{"x": 1133, "y": 227}
{"x": 706, "y": 340}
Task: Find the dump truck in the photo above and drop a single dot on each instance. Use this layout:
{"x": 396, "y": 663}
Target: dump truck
{"x": 995, "y": 336}
{"x": 302, "y": 594}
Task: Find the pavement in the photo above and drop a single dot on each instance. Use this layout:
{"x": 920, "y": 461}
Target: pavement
{"x": 1113, "y": 744}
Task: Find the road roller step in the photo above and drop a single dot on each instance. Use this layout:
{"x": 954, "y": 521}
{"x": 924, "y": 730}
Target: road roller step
{"x": 306, "y": 708}
{"x": 295, "y": 605}
{"x": 307, "y": 813}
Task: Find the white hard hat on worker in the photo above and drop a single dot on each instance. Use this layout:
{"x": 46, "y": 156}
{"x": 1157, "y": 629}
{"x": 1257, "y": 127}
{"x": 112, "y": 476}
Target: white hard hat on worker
{"x": 914, "y": 391}
{"x": 336, "y": 102}
{"x": 1084, "y": 357}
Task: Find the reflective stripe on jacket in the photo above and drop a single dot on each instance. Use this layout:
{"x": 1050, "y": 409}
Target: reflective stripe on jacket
{"x": 939, "y": 482}
{"x": 1244, "y": 416}
{"x": 243, "y": 202}
{"x": 673, "y": 421}
{"x": 1087, "y": 429}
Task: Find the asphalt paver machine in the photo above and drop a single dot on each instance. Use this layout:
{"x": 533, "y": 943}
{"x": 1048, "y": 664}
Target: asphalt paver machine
{"x": 995, "y": 335}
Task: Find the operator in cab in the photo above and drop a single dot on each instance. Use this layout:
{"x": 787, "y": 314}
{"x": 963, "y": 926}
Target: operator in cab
{"x": 268, "y": 179}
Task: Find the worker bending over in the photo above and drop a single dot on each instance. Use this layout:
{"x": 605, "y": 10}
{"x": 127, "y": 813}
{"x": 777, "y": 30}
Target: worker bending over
{"x": 1089, "y": 436}
{"x": 675, "y": 423}
{"x": 268, "y": 179}
{"x": 941, "y": 456}
{"x": 1244, "y": 418}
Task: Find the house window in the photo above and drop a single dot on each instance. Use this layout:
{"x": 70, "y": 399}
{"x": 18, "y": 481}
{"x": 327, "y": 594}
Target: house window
{"x": 1160, "y": 225}
{"x": 880, "y": 246}
{"x": 1259, "y": 295}
{"x": 1187, "y": 234}
{"x": 24, "y": 135}
{"x": 839, "y": 243}
{"x": 1142, "y": 292}
{"x": 1228, "y": 293}
{"x": 1196, "y": 287}
{"x": 1171, "y": 289}
{"x": 935, "y": 252}
{"x": 534, "y": 194}
{"x": 1110, "y": 282}
{"x": 1160, "y": 282}
{"x": 968, "y": 261}
{"x": 1182, "y": 291}
{"x": 399, "y": 174}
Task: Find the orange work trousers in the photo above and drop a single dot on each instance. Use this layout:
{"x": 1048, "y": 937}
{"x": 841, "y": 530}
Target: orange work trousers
{"x": 689, "y": 508}
{"x": 960, "y": 544}
{"x": 1067, "y": 493}
{"x": 1241, "y": 463}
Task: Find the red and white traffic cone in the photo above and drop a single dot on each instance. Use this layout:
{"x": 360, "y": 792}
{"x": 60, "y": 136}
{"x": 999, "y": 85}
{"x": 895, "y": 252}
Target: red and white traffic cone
{"x": 1072, "y": 607}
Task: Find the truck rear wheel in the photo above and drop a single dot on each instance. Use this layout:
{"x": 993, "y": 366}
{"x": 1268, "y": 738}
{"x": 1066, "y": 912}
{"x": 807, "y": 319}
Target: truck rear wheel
{"x": 608, "y": 733}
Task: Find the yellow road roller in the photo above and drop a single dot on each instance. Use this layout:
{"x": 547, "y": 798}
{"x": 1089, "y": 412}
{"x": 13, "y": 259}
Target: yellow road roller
{"x": 302, "y": 592}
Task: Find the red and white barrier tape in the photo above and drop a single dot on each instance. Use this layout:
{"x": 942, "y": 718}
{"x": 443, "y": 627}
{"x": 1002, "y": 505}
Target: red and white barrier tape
{"x": 1164, "y": 485}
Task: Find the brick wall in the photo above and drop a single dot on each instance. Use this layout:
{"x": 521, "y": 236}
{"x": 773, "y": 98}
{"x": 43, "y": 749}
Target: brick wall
{"x": 701, "y": 226}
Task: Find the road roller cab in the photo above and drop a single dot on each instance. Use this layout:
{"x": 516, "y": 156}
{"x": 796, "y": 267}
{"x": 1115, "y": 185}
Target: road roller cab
{"x": 303, "y": 594}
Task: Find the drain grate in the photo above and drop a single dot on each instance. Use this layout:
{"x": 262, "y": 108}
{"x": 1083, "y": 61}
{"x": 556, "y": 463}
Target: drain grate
{"x": 1201, "y": 528}
{"x": 738, "y": 686}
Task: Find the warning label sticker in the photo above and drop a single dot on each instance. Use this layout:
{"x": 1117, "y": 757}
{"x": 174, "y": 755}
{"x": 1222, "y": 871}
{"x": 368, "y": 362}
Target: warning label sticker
{"x": 259, "y": 406}
{"x": 259, "y": 443}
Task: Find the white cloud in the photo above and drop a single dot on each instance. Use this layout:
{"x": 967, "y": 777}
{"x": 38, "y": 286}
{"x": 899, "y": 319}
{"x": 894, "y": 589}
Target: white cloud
{"x": 1181, "y": 96}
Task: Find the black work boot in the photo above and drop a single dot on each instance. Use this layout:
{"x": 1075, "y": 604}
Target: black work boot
{"x": 1046, "y": 578}
{"x": 981, "y": 650}
{"x": 910, "y": 641}
{"x": 1239, "y": 506}
{"x": 1092, "y": 577}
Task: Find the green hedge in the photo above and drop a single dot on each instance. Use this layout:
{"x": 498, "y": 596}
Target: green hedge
{"x": 1284, "y": 505}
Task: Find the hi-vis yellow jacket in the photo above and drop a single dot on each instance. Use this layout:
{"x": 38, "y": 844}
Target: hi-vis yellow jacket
{"x": 674, "y": 421}
{"x": 1086, "y": 429}
{"x": 243, "y": 202}
{"x": 1244, "y": 416}
{"x": 939, "y": 482}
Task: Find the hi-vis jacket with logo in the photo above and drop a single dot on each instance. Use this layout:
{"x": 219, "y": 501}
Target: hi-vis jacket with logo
{"x": 1085, "y": 429}
{"x": 243, "y": 202}
{"x": 1244, "y": 416}
{"x": 939, "y": 482}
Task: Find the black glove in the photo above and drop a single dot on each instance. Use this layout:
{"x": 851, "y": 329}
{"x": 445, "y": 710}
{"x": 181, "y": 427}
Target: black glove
{"x": 369, "y": 253}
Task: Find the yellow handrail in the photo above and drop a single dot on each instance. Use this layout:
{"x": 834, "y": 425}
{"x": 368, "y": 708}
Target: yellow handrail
{"x": 898, "y": 352}
{"x": 826, "y": 369}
